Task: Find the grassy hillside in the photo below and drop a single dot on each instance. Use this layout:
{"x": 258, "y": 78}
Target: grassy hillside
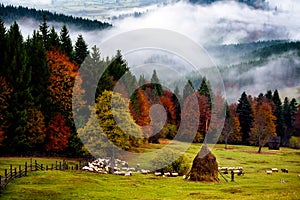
{"x": 255, "y": 184}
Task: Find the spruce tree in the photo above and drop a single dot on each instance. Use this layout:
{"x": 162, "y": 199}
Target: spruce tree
{"x": 3, "y": 48}
{"x": 65, "y": 42}
{"x": 19, "y": 75}
{"x": 205, "y": 90}
{"x": 53, "y": 39}
{"x": 155, "y": 84}
{"x": 188, "y": 90}
{"x": 278, "y": 112}
{"x": 44, "y": 29}
{"x": 81, "y": 50}
{"x": 245, "y": 114}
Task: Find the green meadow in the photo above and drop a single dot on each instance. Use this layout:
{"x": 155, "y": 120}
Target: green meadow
{"x": 255, "y": 184}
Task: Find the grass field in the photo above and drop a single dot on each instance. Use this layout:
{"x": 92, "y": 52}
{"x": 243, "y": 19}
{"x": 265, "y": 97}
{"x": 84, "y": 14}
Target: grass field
{"x": 255, "y": 184}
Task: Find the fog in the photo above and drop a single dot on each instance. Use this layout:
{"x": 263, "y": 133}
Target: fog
{"x": 217, "y": 24}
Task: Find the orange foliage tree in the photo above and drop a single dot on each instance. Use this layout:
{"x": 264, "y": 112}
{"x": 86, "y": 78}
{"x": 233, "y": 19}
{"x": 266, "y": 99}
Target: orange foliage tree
{"x": 263, "y": 126}
{"x": 5, "y": 95}
{"x": 57, "y": 134}
{"x": 63, "y": 73}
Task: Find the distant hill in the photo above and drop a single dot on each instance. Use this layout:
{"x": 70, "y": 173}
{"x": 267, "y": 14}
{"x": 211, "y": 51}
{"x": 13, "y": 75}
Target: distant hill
{"x": 253, "y": 3}
{"x": 11, "y": 13}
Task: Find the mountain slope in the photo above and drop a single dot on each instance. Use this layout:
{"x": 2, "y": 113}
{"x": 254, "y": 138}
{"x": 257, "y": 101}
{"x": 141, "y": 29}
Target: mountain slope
{"x": 10, "y": 13}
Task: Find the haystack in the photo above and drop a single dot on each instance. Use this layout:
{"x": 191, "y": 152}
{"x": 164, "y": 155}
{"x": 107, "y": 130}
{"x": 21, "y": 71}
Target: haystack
{"x": 205, "y": 167}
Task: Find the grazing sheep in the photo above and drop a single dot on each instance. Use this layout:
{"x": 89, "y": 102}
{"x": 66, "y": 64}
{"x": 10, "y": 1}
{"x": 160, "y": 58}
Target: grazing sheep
{"x": 174, "y": 174}
{"x": 167, "y": 174}
{"x": 157, "y": 174}
{"x": 274, "y": 170}
{"x": 285, "y": 170}
{"x": 269, "y": 171}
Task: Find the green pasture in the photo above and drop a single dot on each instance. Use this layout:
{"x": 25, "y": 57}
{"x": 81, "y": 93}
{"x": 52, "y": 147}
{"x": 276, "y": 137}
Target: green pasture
{"x": 255, "y": 184}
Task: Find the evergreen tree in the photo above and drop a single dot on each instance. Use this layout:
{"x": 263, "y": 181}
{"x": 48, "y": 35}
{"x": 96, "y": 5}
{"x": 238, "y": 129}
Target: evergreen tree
{"x": 245, "y": 114}
{"x": 205, "y": 90}
{"x": 19, "y": 75}
{"x": 117, "y": 67}
{"x": 188, "y": 90}
{"x": 53, "y": 38}
{"x": 44, "y": 29}
{"x": 81, "y": 50}
{"x": 65, "y": 42}
{"x": 269, "y": 95}
{"x": 40, "y": 71}
{"x": 278, "y": 112}
{"x": 142, "y": 80}
{"x": 155, "y": 84}
{"x": 3, "y": 48}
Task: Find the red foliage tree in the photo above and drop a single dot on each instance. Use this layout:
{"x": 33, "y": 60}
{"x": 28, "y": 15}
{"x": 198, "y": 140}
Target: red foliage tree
{"x": 63, "y": 73}
{"x": 57, "y": 134}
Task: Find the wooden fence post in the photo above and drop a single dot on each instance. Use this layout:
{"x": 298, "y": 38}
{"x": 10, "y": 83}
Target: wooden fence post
{"x": 59, "y": 165}
{"x": 30, "y": 164}
{"x": 56, "y": 165}
{"x": 11, "y": 171}
{"x": 35, "y": 163}
{"x": 20, "y": 171}
{"x": 25, "y": 168}
{"x": 5, "y": 175}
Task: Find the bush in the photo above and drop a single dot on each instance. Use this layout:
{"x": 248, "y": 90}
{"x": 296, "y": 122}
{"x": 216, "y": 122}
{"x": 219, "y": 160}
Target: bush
{"x": 181, "y": 165}
{"x": 295, "y": 142}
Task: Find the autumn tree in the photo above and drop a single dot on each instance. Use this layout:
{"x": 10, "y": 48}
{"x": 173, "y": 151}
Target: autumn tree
{"x": 116, "y": 122}
{"x": 62, "y": 77}
{"x": 297, "y": 123}
{"x": 231, "y": 132}
{"x": 57, "y": 134}
{"x": 5, "y": 95}
{"x": 263, "y": 126}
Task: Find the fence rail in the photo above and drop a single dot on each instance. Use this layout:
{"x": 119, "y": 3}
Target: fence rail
{"x": 22, "y": 171}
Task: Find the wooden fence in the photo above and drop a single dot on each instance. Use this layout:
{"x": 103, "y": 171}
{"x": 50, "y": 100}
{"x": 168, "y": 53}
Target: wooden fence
{"x": 22, "y": 171}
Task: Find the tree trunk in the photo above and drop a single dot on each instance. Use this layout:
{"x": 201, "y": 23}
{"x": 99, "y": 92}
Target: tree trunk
{"x": 225, "y": 143}
{"x": 259, "y": 149}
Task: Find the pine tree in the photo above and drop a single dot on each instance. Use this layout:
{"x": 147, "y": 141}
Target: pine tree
{"x": 155, "y": 84}
{"x": 278, "y": 112}
{"x": 65, "y": 42}
{"x": 81, "y": 50}
{"x": 3, "y": 42}
{"x": 205, "y": 90}
{"x": 19, "y": 75}
{"x": 245, "y": 114}
{"x": 44, "y": 29}
{"x": 40, "y": 72}
{"x": 188, "y": 90}
{"x": 53, "y": 39}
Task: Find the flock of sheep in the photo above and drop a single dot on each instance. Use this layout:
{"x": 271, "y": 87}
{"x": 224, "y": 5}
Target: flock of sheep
{"x": 112, "y": 166}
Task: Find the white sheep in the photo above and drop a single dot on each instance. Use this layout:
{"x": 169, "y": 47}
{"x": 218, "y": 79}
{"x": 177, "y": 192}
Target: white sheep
{"x": 269, "y": 171}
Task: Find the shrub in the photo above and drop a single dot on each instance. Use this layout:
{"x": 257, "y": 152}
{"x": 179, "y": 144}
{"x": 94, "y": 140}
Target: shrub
{"x": 181, "y": 165}
{"x": 295, "y": 142}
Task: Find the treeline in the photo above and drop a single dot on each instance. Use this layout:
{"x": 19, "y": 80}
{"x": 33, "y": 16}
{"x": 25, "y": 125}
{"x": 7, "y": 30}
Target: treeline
{"x": 37, "y": 78}
{"x": 39, "y": 101}
{"x": 11, "y": 13}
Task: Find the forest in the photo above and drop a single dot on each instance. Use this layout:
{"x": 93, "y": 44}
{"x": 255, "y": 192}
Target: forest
{"x": 38, "y": 90}
{"x": 11, "y": 13}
